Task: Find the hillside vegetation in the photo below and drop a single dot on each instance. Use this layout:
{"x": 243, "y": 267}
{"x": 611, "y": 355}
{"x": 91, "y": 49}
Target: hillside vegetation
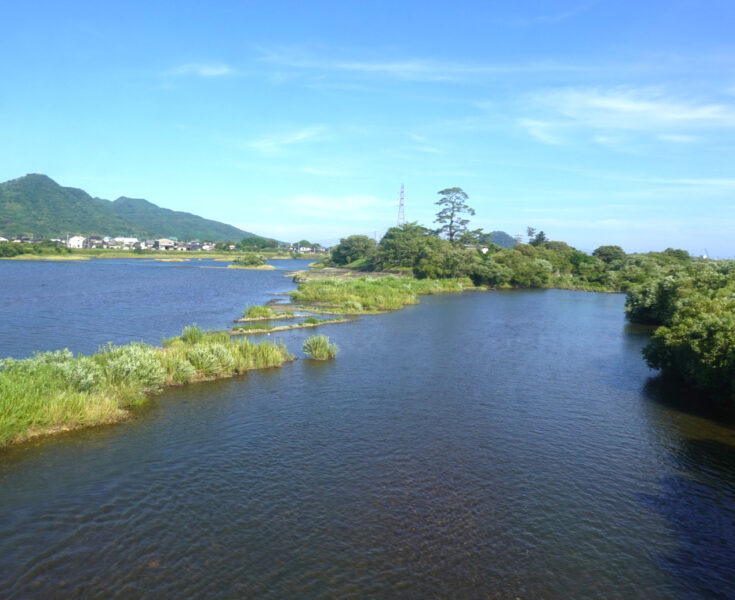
{"x": 37, "y": 206}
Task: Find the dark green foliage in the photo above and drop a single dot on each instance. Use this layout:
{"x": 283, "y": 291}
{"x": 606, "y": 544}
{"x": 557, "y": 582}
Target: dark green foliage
{"x": 352, "y": 248}
{"x": 453, "y": 203}
{"x": 414, "y": 247}
{"x": 256, "y": 242}
{"x": 609, "y": 254}
{"x": 538, "y": 239}
{"x": 37, "y": 206}
{"x": 249, "y": 260}
{"x": 694, "y": 304}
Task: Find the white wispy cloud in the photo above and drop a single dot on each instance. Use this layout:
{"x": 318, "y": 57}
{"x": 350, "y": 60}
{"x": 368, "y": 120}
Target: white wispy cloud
{"x": 409, "y": 69}
{"x": 543, "y": 131}
{"x": 203, "y": 69}
{"x": 632, "y": 109}
{"x": 274, "y": 143}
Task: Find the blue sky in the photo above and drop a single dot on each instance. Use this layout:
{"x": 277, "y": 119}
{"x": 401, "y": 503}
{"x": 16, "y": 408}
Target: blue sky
{"x": 599, "y": 122}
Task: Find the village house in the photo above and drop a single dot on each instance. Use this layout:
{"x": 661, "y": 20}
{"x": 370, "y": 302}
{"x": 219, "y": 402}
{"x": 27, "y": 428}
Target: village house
{"x": 126, "y": 243}
{"x": 75, "y": 241}
{"x": 164, "y": 244}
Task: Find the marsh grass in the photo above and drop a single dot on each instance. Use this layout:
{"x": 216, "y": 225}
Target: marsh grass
{"x": 259, "y": 312}
{"x": 56, "y": 391}
{"x": 318, "y": 347}
{"x": 371, "y": 294}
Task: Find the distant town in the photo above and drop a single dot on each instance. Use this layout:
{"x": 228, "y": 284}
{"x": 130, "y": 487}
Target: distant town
{"x": 78, "y": 242}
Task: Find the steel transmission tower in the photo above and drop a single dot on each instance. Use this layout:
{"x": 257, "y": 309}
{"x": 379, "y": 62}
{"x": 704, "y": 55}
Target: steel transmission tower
{"x": 402, "y": 208}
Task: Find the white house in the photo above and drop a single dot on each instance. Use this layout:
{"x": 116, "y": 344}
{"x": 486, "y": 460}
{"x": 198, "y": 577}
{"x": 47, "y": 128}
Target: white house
{"x": 75, "y": 241}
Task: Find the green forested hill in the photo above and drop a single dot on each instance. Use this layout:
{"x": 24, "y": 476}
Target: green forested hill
{"x": 37, "y": 206}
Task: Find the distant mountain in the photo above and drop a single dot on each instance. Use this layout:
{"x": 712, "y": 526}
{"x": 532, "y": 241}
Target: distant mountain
{"x": 500, "y": 238}
{"x": 35, "y": 205}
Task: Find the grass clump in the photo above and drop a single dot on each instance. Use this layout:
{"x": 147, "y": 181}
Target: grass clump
{"x": 318, "y": 347}
{"x": 192, "y": 334}
{"x": 259, "y": 312}
{"x": 55, "y": 391}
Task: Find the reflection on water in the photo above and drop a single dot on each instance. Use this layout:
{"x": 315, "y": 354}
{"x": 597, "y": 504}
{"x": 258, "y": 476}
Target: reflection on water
{"x": 697, "y": 498}
{"x": 493, "y": 445}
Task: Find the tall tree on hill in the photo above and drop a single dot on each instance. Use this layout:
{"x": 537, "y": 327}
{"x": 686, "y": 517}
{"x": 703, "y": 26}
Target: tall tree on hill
{"x": 454, "y": 203}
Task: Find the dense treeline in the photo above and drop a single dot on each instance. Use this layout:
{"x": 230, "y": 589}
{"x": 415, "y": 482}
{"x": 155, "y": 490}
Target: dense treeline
{"x": 694, "y": 307}
{"x": 416, "y": 249}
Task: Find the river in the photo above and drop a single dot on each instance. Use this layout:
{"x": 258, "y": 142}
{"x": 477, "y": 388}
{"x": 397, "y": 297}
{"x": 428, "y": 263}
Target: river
{"x": 478, "y": 445}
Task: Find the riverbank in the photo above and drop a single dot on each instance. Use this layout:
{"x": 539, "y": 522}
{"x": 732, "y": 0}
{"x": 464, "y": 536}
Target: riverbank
{"x": 56, "y": 391}
{"x": 309, "y": 322}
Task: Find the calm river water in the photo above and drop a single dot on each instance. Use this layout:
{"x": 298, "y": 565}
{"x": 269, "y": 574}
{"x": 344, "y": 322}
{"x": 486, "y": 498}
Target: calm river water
{"x": 481, "y": 445}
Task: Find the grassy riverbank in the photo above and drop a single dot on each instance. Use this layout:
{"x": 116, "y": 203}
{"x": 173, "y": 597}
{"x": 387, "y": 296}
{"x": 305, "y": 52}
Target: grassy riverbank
{"x": 56, "y": 391}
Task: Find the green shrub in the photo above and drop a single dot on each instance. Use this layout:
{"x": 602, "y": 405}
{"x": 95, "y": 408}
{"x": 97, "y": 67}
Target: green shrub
{"x": 311, "y": 320}
{"x": 83, "y": 374}
{"x": 319, "y": 348}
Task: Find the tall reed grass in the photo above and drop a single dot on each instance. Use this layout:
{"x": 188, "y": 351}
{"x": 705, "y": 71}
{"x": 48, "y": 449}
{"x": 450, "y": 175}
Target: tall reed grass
{"x": 53, "y": 391}
{"x": 318, "y": 347}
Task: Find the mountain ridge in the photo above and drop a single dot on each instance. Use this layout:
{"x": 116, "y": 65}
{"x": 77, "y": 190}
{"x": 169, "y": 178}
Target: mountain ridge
{"x": 36, "y": 205}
